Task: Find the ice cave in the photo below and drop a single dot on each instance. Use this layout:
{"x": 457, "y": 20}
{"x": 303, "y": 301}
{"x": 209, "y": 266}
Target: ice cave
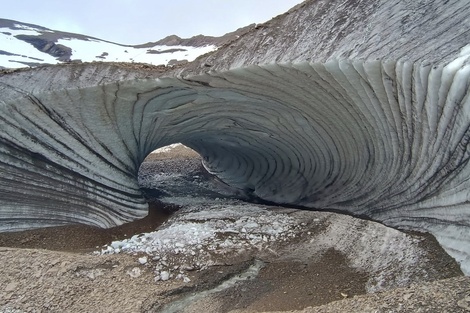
{"x": 360, "y": 107}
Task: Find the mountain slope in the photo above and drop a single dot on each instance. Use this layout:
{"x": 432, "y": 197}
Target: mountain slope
{"x": 23, "y": 44}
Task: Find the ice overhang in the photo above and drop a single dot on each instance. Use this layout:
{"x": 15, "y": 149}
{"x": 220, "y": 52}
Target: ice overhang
{"x": 348, "y": 127}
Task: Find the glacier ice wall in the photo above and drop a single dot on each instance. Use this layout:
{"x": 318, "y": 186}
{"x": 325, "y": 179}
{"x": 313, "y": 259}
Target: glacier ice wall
{"x": 356, "y": 106}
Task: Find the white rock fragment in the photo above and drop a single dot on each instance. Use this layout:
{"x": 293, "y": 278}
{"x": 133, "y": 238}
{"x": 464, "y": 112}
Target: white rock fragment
{"x": 164, "y": 275}
{"x": 143, "y": 260}
{"x": 134, "y": 272}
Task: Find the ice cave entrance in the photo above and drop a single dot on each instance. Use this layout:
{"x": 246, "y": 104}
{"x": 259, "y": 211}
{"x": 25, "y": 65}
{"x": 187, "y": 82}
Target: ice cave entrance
{"x": 170, "y": 171}
{"x": 174, "y": 176}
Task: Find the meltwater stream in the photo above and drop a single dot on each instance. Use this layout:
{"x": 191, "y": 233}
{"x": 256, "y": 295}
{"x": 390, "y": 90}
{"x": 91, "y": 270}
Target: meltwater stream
{"x": 249, "y": 274}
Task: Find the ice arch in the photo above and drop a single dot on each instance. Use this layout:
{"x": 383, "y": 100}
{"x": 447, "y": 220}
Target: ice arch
{"x": 367, "y": 115}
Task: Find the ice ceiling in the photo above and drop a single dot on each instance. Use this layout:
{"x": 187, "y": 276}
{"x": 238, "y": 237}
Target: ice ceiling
{"x": 357, "y": 106}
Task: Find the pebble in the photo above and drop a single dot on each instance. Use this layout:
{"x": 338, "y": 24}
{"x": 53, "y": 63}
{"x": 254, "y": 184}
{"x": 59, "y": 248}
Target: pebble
{"x": 164, "y": 275}
{"x": 407, "y": 296}
{"x": 11, "y": 287}
{"x": 134, "y": 272}
{"x": 464, "y": 303}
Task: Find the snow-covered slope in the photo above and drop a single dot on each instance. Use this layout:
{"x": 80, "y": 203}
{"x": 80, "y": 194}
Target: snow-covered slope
{"x": 23, "y": 45}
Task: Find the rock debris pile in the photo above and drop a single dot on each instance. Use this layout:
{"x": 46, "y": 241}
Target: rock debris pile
{"x": 199, "y": 237}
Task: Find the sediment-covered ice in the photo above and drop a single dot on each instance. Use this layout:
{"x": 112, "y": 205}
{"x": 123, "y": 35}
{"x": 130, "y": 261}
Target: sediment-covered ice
{"x": 361, "y": 108}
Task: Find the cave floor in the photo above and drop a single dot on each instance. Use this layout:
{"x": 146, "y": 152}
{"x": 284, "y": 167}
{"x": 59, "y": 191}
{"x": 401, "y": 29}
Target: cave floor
{"x": 307, "y": 261}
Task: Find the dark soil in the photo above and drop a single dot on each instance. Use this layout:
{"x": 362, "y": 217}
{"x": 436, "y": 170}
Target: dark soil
{"x": 83, "y": 238}
{"x": 288, "y": 286}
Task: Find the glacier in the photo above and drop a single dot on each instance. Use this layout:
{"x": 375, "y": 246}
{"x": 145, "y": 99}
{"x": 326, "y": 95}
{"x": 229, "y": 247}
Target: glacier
{"x": 357, "y": 107}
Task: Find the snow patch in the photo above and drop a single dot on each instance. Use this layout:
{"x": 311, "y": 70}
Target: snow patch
{"x": 19, "y": 53}
{"x": 167, "y": 148}
{"x": 23, "y": 51}
{"x": 91, "y": 50}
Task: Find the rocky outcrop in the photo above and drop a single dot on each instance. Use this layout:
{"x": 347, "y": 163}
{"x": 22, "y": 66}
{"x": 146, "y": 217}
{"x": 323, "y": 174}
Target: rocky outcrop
{"x": 357, "y": 106}
{"x": 200, "y": 40}
{"x": 58, "y": 51}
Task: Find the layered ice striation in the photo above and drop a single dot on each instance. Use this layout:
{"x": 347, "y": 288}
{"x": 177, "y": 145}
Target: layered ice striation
{"x": 358, "y": 107}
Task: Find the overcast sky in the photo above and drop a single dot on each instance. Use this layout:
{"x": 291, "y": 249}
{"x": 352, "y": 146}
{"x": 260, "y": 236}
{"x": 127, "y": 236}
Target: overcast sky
{"x": 141, "y": 21}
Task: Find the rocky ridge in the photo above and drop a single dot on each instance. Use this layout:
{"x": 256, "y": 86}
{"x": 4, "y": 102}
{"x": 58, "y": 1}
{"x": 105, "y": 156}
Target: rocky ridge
{"x": 54, "y": 46}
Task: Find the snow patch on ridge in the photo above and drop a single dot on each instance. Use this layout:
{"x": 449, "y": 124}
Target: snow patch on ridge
{"x": 18, "y": 53}
{"x": 23, "y": 51}
{"x": 91, "y": 49}
{"x": 167, "y": 148}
